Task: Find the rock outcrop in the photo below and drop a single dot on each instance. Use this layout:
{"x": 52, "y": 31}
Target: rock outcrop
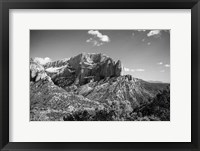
{"x": 37, "y": 72}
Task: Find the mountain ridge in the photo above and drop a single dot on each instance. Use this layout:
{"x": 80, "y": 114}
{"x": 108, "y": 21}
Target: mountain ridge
{"x": 67, "y": 88}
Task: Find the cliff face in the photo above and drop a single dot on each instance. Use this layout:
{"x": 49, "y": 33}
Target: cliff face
{"x": 87, "y": 82}
{"x": 83, "y": 68}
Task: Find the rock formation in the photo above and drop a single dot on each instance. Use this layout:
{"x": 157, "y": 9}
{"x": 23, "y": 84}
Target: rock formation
{"x": 37, "y": 72}
{"x": 83, "y": 68}
{"x": 90, "y": 83}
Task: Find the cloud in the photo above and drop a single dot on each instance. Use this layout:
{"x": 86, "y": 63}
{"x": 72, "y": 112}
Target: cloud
{"x": 94, "y": 42}
{"x": 133, "y": 70}
{"x": 162, "y": 71}
{"x": 167, "y": 65}
{"x": 148, "y": 43}
{"x": 97, "y": 38}
{"x": 89, "y": 40}
{"x": 154, "y": 33}
{"x": 126, "y": 69}
{"x": 42, "y": 61}
{"x": 143, "y": 40}
{"x": 133, "y": 34}
{"x": 96, "y": 33}
{"x": 160, "y": 63}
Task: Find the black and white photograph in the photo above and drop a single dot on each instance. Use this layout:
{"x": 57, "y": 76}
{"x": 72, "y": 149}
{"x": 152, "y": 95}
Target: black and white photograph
{"x": 100, "y": 75}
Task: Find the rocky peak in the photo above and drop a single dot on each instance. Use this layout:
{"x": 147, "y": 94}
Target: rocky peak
{"x": 58, "y": 63}
{"x": 37, "y": 72}
{"x": 94, "y": 65}
{"x": 83, "y": 68}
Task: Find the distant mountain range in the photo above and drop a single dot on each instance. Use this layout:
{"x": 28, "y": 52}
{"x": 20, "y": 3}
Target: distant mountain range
{"x": 91, "y": 87}
{"x": 152, "y": 81}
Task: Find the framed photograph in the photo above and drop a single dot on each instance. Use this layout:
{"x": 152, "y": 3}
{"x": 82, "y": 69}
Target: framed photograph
{"x": 99, "y": 75}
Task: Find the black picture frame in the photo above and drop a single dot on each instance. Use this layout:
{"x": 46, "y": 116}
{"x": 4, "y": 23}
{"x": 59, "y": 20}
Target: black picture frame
{"x": 5, "y": 5}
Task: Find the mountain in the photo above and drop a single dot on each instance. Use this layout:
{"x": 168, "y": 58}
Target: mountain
{"x": 82, "y": 68}
{"x": 91, "y": 87}
{"x": 152, "y": 81}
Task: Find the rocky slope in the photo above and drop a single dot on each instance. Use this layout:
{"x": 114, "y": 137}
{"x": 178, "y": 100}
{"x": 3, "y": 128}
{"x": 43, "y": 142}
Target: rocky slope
{"x": 89, "y": 87}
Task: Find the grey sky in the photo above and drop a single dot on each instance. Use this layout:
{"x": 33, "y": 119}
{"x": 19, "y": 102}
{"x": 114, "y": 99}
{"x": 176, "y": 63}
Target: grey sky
{"x": 145, "y": 54}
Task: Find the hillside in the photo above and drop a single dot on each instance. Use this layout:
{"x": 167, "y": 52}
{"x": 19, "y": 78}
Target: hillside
{"x": 91, "y": 87}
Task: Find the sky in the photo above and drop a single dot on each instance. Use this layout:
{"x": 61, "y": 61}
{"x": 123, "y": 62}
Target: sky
{"x": 144, "y": 54}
